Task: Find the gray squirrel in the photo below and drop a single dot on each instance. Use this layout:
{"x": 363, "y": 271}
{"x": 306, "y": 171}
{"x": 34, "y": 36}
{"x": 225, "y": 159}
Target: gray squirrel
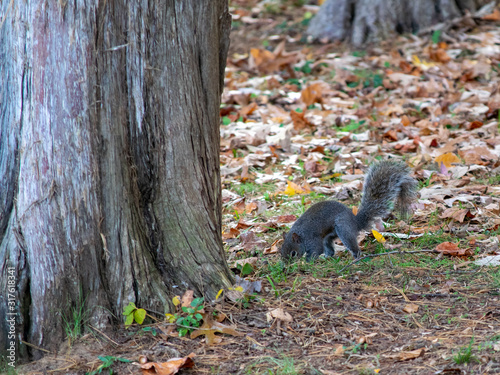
{"x": 387, "y": 184}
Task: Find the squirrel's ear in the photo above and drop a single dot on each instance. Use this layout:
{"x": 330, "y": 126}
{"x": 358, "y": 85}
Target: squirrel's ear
{"x": 295, "y": 237}
{"x": 284, "y": 235}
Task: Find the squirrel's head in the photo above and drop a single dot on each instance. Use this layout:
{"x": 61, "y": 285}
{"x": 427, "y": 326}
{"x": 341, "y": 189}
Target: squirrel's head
{"x": 291, "y": 245}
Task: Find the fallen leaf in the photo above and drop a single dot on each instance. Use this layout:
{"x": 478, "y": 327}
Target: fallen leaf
{"x": 292, "y": 189}
{"x": 170, "y": 367}
{"x": 312, "y": 94}
{"x": 404, "y": 356}
{"x": 299, "y": 121}
{"x": 187, "y": 298}
{"x": 378, "y": 236}
{"x": 209, "y": 328}
{"x": 452, "y": 249}
{"x": 495, "y": 16}
{"x": 448, "y": 159}
{"x": 279, "y": 314}
{"x": 411, "y": 308}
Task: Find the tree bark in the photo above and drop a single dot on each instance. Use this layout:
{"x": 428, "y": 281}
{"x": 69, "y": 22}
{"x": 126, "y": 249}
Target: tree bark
{"x": 109, "y": 158}
{"x": 367, "y": 21}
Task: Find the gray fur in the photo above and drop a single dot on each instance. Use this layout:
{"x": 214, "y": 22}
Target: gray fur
{"x": 386, "y": 184}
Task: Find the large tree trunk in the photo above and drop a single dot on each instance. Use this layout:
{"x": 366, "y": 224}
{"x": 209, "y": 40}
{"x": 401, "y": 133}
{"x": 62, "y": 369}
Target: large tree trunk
{"x": 109, "y": 158}
{"x": 364, "y": 21}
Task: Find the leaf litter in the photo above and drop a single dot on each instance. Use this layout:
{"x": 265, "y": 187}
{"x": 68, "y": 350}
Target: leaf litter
{"x": 300, "y": 123}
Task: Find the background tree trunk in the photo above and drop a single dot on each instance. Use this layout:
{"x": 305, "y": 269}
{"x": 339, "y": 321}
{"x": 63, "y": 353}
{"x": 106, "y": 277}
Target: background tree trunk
{"x": 109, "y": 158}
{"x": 362, "y": 21}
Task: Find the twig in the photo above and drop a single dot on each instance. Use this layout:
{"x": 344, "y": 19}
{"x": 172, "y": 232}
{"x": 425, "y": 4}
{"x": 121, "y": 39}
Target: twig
{"x": 36, "y": 347}
{"x": 102, "y": 333}
{"x": 388, "y": 253}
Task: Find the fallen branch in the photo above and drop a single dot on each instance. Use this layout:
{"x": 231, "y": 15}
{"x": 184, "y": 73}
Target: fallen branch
{"x": 388, "y": 253}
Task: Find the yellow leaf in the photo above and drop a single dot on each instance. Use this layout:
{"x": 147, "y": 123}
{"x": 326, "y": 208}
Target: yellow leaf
{"x": 170, "y": 318}
{"x": 219, "y": 294}
{"x": 448, "y": 159}
{"x": 378, "y": 236}
{"x": 176, "y": 300}
{"x": 239, "y": 288}
{"x": 421, "y": 63}
{"x": 293, "y": 189}
{"x": 376, "y": 371}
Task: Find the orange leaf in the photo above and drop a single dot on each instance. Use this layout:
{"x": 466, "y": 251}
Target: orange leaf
{"x": 495, "y": 16}
{"x": 312, "y": 94}
{"x": 448, "y": 159}
{"x": 299, "y": 120}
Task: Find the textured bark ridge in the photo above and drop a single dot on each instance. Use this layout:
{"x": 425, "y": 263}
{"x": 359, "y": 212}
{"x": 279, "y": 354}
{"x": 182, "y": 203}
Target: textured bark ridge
{"x": 364, "y": 21}
{"x": 109, "y": 158}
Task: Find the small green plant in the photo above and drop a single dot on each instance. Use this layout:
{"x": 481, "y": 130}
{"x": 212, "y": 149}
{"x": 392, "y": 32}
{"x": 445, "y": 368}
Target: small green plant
{"x": 246, "y": 300}
{"x": 73, "y": 325}
{"x": 245, "y": 269}
{"x": 132, "y": 314}
{"x": 107, "y": 362}
{"x": 276, "y": 291}
{"x": 464, "y": 354}
{"x": 280, "y": 366}
{"x": 436, "y": 36}
{"x": 192, "y": 318}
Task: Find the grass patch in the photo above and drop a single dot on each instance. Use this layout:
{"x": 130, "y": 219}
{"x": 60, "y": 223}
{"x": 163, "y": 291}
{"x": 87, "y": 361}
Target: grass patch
{"x": 464, "y": 355}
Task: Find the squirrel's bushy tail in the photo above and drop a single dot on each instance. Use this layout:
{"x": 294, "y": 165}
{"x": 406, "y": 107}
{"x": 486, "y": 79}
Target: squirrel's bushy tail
{"x": 388, "y": 185}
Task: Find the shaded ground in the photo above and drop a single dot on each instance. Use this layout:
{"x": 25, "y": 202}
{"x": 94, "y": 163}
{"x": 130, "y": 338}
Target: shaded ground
{"x": 316, "y": 116}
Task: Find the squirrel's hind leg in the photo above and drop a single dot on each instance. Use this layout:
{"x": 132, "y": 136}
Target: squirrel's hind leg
{"x": 328, "y": 247}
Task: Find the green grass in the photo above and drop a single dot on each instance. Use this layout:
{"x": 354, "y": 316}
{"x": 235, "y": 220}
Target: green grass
{"x": 74, "y": 324}
{"x": 5, "y": 368}
{"x": 464, "y": 354}
{"x": 283, "y": 365}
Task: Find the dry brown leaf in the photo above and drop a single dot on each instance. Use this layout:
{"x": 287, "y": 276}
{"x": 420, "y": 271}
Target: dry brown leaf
{"x": 286, "y": 218}
{"x": 187, "y": 298}
{"x": 312, "y": 94}
{"x": 439, "y": 55}
{"x": 479, "y": 155}
{"x": 232, "y": 233}
{"x": 450, "y": 248}
{"x": 495, "y": 16}
{"x": 168, "y": 368}
{"x": 210, "y": 327}
{"x": 279, "y": 314}
{"x": 273, "y": 249}
{"x": 457, "y": 214}
{"x": 411, "y": 308}
{"x": 404, "y": 356}
{"x": 339, "y": 351}
{"x": 299, "y": 121}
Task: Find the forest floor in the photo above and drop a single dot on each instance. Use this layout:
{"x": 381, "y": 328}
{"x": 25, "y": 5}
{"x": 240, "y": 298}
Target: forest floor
{"x": 301, "y": 123}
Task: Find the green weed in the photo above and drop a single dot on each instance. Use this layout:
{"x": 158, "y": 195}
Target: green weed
{"x": 74, "y": 324}
{"x": 464, "y": 355}
{"x": 107, "y": 362}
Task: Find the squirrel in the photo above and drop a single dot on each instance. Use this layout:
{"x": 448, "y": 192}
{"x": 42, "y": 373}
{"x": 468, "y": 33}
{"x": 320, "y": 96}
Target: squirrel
{"x": 387, "y": 184}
